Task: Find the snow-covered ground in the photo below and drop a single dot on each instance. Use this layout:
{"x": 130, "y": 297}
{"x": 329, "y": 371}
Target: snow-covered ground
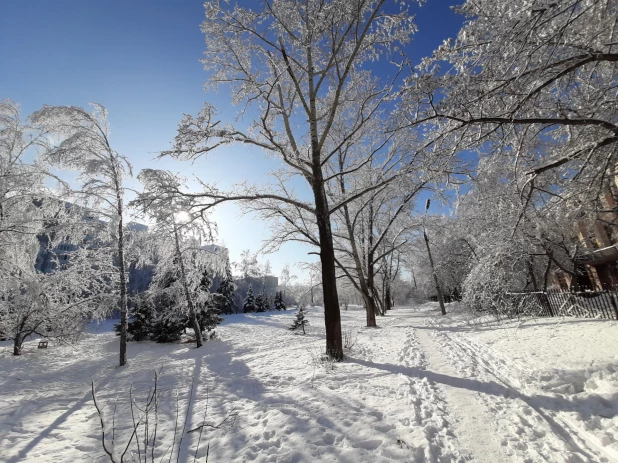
{"x": 419, "y": 388}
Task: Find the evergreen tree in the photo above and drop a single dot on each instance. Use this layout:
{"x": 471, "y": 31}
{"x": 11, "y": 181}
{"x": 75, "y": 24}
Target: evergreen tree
{"x": 279, "y": 304}
{"x": 276, "y": 301}
{"x": 140, "y": 328}
{"x": 169, "y": 321}
{"x": 262, "y": 303}
{"x": 250, "y": 303}
{"x": 300, "y": 321}
{"x": 208, "y": 316}
{"x": 226, "y": 303}
{"x": 206, "y": 308}
{"x": 168, "y": 327}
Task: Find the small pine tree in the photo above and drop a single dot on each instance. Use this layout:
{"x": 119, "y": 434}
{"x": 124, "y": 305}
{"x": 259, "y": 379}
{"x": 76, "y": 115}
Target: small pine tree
{"x": 140, "y": 328}
{"x": 168, "y": 327}
{"x": 140, "y": 325}
{"x": 207, "y": 312}
{"x": 261, "y": 301}
{"x": 249, "y": 305}
{"x": 226, "y": 303}
{"x": 168, "y": 322}
{"x": 299, "y": 321}
{"x": 208, "y": 317}
{"x": 279, "y": 304}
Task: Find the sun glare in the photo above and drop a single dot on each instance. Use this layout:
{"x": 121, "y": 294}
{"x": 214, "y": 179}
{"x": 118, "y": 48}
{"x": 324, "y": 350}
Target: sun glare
{"x": 182, "y": 217}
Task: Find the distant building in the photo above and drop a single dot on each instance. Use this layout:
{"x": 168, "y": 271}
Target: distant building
{"x": 216, "y": 249}
{"x": 48, "y": 259}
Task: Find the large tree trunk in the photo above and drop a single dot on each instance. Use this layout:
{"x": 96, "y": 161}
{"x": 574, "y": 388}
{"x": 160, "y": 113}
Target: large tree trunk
{"x": 17, "y": 343}
{"x": 371, "y": 311}
{"x": 18, "y": 340}
{"x": 370, "y": 308}
{"x": 369, "y": 293}
{"x": 388, "y": 272}
{"x": 370, "y": 297}
{"x": 388, "y": 301}
{"x": 332, "y": 315}
{"x": 379, "y": 305}
{"x": 123, "y": 286}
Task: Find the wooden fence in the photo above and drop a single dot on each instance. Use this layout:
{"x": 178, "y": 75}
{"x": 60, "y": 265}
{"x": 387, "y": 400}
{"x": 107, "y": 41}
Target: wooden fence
{"x": 560, "y": 303}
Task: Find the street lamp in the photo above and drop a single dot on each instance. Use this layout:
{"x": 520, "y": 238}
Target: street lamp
{"x": 433, "y": 269}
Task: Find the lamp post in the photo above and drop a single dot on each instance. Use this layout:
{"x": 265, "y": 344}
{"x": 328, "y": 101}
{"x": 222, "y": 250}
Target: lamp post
{"x": 433, "y": 269}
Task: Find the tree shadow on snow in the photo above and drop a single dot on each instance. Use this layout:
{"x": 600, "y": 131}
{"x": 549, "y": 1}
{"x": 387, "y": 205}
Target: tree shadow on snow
{"x": 23, "y": 453}
{"x": 229, "y": 371}
{"x": 539, "y": 402}
{"x": 586, "y": 407}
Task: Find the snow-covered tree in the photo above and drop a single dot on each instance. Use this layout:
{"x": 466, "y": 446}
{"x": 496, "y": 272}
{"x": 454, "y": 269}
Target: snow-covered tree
{"x": 261, "y": 303}
{"x": 144, "y": 315}
{"x": 302, "y": 65}
{"x": 226, "y": 302}
{"x": 300, "y": 321}
{"x": 248, "y": 265}
{"x": 51, "y": 303}
{"x": 250, "y": 304}
{"x": 534, "y": 84}
{"x": 21, "y": 182}
{"x": 265, "y": 270}
{"x": 79, "y": 140}
{"x": 285, "y": 279}
{"x": 208, "y": 313}
{"x": 374, "y": 229}
{"x": 178, "y": 235}
{"x": 279, "y": 302}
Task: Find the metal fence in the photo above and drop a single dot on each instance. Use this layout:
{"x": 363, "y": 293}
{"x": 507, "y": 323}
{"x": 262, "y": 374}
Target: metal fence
{"x": 560, "y": 303}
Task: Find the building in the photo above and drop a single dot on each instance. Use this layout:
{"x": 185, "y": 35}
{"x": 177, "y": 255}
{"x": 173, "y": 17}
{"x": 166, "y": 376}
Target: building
{"x": 597, "y": 263}
{"x": 216, "y": 249}
{"x": 48, "y": 259}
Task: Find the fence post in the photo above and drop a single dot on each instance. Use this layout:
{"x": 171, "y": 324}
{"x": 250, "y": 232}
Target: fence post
{"x": 547, "y": 303}
{"x": 611, "y": 298}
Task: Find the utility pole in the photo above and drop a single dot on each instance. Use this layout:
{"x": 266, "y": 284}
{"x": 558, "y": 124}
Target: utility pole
{"x": 433, "y": 269}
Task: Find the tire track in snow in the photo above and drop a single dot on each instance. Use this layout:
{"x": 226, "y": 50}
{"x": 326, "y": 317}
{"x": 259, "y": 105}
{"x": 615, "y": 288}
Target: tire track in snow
{"x": 528, "y": 433}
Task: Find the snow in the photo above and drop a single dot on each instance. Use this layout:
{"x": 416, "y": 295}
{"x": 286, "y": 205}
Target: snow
{"x": 420, "y": 388}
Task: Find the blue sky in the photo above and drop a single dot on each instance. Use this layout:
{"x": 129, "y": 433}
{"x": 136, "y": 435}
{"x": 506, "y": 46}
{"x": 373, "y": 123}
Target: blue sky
{"x": 140, "y": 59}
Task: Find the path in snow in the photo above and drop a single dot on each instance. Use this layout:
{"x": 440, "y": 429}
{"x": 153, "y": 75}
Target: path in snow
{"x": 472, "y": 420}
{"x": 412, "y": 390}
{"x": 530, "y": 426}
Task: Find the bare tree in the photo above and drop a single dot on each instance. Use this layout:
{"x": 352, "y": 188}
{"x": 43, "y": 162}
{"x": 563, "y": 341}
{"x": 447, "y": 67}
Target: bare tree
{"x": 297, "y": 63}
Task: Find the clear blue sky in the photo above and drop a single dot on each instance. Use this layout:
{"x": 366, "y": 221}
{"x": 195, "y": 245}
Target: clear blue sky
{"x": 140, "y": 59}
